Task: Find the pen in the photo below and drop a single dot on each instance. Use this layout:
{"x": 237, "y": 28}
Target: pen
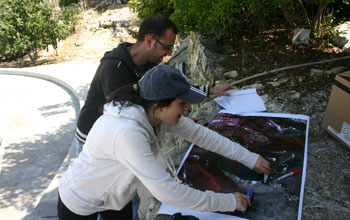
{"x": 289, "y": 174}
{"x": 249, "y": 194}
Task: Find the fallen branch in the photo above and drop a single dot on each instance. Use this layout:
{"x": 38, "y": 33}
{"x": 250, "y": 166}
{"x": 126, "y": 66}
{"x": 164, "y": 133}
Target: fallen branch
{"x": 287, "y": 68}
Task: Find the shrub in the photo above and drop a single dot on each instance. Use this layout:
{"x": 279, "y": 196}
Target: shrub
{"x": 229, "y": 17}
{"x": 70, "y": 19}
{"x": 218, "y": 17}
{"x": 27, "y": 26}
{"x": 64, "y": 3}
{"x": 146, "y": 8}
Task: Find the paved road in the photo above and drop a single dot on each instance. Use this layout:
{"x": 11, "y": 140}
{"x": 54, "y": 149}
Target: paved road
{"x": 37, "y": 122}
{"x": 40, "y": 124}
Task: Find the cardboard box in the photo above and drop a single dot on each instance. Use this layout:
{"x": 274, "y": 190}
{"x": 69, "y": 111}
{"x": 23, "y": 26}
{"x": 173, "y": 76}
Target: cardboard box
{"x": 337, "y": 119}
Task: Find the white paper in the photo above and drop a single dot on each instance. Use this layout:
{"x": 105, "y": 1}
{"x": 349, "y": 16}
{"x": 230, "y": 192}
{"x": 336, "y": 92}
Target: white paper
{"x": 164, "y": 209}
{"x": 243, "y": 101}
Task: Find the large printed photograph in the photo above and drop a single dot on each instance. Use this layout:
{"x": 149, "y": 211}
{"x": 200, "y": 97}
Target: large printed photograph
{"x": 280, "y": 138}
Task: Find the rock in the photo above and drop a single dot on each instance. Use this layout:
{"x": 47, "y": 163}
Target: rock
{"x": 301, "y": 36}
{"x": 340, "y": 41}
{"x": 289, "y": 96}
{"x": 207, "y": 111}
{"x": 179, "y": 58}
{"x": 274, "y": 84}
{"x": 337, "y": 70}
{"x": 112, "y": 6}
{"x": 231, "y": 75}
{"x": 283, "y": 80}
{"x": 199, "y": 69}
{"x": 203, "y": 65}
{"x": 316, "y": 71}
{"x": 79, "y": 43}
{"x": 346, "y": 47}
{"x": 343, "y": 37}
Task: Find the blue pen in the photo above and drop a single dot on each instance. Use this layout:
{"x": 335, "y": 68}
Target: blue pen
{"x": 249, "y": 194}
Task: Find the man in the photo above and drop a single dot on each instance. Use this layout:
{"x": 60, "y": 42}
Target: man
{"x": 126, "y": 64}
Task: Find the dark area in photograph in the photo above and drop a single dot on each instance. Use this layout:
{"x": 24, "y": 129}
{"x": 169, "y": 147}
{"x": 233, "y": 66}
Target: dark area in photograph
{"x": 280, "y": 140}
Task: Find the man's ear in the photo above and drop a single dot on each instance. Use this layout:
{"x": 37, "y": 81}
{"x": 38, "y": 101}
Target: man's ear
{"x": 149, "y": 41}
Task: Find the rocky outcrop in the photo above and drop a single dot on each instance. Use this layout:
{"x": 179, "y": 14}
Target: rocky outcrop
{"x": 342, "y": 39}
{"x": 103, "y": 5}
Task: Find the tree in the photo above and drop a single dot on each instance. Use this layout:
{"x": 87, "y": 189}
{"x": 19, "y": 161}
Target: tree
{"x": 310, "y": 14}
{"x": 27, "y": 26}
{"x": 227, "y": 17}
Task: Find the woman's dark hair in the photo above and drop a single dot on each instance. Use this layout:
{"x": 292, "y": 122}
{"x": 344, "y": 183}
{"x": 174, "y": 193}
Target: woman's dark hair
{"x": 156, "y": 25}
{"x": 128, "y": 95}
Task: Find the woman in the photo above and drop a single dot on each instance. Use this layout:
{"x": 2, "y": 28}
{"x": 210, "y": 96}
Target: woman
{"x": 120, "y": 150}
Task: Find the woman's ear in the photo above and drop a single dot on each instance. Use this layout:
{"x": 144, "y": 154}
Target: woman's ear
{"x": 157, "y": 108}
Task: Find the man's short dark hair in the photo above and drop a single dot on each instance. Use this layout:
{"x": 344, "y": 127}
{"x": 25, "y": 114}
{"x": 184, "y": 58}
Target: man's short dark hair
{"x": 155, "y": 25}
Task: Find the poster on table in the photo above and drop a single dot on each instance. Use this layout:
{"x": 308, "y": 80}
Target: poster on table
{"x": 280, "y": 138}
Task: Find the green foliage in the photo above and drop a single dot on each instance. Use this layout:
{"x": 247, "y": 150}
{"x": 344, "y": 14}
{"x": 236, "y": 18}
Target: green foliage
{"x": 146, "y": 8}
{"x": 64, "y": 3}
{"x": 70, "y": 18}
{"x": 229, "y": 17}
{"x": 27, "y": 26}
{"x": 327, "y": 30}
{"x": 260, "y": 42}
{"x": 218, "y": 17}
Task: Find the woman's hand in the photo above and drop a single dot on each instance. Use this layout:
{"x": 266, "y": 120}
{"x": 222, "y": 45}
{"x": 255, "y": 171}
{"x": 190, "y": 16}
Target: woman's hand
{"x": 242, "y": 201}
{"x": 262, "y": 166}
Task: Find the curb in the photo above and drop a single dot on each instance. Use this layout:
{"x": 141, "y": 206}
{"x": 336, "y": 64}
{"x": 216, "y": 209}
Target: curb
{"x": 64, "y": 85}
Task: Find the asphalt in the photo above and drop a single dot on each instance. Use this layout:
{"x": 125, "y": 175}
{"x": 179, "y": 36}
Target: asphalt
{"x": 38, "y": 112}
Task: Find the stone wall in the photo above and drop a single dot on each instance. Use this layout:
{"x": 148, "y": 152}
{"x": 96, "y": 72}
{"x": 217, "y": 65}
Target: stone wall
{"x": 198, "y": 68}
{"x": 201, "y": 65}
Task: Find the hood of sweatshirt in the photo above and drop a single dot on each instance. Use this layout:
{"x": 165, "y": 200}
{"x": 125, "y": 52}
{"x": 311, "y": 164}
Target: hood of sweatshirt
{"x": 134, "y": 112}
{"x": 122, "y": 53}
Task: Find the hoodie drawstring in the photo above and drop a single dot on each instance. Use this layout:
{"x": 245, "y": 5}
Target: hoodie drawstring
{"x": 169, "y": 162}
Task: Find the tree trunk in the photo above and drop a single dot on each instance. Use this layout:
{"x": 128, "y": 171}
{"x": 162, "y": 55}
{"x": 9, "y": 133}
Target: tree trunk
{"x": 318, "y": 17}
{"x": 288, "y": 14}
{"x": 33, "y": 56}
{"x": 305, "y": 13}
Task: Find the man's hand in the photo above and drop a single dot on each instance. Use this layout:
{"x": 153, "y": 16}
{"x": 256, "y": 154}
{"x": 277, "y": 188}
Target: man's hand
{"x": 221, "y": 90}
{"x": 242, "y": 201}
{"x": 262, "y": 166}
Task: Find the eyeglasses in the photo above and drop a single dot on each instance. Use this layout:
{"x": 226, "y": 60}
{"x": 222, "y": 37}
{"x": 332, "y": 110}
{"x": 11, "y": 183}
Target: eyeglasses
{"x": 167, "y": 47}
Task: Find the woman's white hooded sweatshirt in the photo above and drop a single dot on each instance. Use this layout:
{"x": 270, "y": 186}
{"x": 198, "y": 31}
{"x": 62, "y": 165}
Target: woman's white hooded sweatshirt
{"x": 120, "y": 153}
